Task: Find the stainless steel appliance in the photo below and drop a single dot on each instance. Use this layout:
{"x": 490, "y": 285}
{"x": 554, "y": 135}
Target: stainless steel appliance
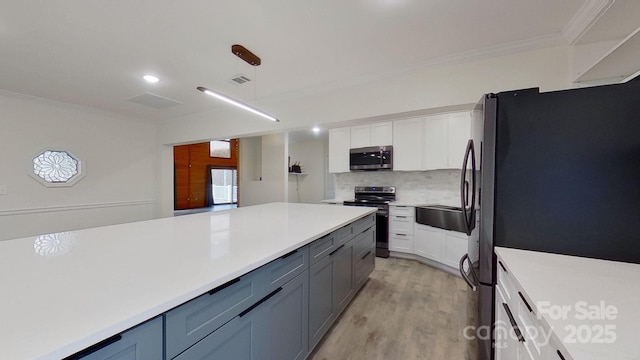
{"x": 559, "y": 174}
{"x": 378, "y": 197}
{"x": 371, "y": 158}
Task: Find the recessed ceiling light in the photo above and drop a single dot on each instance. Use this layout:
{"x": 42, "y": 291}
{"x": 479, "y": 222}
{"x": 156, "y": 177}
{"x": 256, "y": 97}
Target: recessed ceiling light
{"x": 151, "y": 79}
{"x": 315, "y": 129}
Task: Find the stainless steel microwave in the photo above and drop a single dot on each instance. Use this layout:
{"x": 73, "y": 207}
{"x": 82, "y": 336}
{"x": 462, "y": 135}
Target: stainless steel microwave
{"x": 371, "y": 158}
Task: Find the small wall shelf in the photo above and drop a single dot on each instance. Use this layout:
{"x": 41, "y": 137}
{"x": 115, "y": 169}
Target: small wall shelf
{"x": 298, "y": 174}
{"x": 620, "y": 63}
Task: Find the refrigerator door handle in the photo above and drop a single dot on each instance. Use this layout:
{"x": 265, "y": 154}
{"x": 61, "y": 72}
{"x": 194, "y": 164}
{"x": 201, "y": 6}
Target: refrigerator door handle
{"x": 465, "y": 276}
{"x": 468, "y": 209}
{"x": 463, "y": 181}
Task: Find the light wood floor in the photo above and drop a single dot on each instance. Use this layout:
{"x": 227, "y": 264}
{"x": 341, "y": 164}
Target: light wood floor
{"x": 406, "y": 310}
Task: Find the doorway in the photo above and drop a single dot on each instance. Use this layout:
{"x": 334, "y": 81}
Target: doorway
{"x": 223, "y": 185}
{"x": 194, "y": 185}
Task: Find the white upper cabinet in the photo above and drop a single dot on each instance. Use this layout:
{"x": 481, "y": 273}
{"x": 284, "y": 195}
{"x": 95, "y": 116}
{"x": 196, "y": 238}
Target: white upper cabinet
{"x": 382, "y": 134}
{"x": 445, "y": 140}
{"x": 430, "y": 143}
{"x": 434, "y": 145}
{"x": 360, "y": 136}
{"x": 376, "y": 134}
{"x": 339, "y": 145}
{"x": 458, "y": 135}
{"x": 407, "y": 145}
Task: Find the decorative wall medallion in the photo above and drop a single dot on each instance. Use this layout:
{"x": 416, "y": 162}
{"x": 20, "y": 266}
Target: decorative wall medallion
{"x": 56, "y": 168}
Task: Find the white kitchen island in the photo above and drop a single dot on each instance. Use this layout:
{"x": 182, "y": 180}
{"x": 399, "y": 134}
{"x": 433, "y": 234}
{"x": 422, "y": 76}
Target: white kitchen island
{"x": 61, "y": 293}
{"x": 590, "y": 307}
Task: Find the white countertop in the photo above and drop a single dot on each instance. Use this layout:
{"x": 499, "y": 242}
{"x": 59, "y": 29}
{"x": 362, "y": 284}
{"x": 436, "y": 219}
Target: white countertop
{"x": 62, "y": 293}
{"x": 567, "y": 280}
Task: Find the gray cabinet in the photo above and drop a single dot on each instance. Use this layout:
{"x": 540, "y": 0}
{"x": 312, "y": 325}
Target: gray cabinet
{"x": 330, "y": 290}
{"x": 321, "y": 313}
{"x": 192, "y": 321}
{"x": 274, "y": 328}
{"x": 363, "y": 257}
{"x": 342, "y": 277}
{"x": 335, "y": 277}
{"x": 287, "y": 321}
{"x": 140, "y": 343}
{"x": 239, "y": 339}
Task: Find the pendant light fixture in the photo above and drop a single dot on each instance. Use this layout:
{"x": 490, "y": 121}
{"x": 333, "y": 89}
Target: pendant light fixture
{"x": 253, "y": 60}
{"x": 237, "y": 103}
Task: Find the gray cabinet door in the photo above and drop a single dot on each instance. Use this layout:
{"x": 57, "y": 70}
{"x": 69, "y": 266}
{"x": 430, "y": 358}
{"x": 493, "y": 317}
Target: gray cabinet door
{"x": 239, "y": 339}
{"x": 321, "y": 313}
{"x": 364, "y": 265}
{"x": 140, "y": 343}
{"x": 342, "y": 277}
{"x": 193, "y": 320}
{"x": 287, "y": 321}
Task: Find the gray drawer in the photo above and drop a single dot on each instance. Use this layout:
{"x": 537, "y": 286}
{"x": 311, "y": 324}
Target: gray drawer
{"x": 280, "y": 271}
{"x": 364, "y": 241}
{"x": 342, "y": 235}
{"x": 142, "y": 342}
{"x": 364, "y": 265}
{"x": 192, "y": 321}
{"x": 321, "y": 247}
{"x": 364, "y": 223}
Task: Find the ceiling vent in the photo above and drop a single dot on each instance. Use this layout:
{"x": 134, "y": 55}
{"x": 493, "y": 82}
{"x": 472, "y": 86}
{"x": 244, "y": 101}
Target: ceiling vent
{"x": 154, "y": 101}
{"x": 240, "y": 79}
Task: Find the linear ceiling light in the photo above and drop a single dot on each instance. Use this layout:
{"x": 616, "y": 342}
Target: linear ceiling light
{"x": 236, "y": 103}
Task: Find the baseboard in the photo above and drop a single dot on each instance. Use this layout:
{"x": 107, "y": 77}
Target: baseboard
{"x": 433, "y": 264}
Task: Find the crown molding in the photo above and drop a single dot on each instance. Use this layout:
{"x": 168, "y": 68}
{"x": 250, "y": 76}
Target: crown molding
{"x": 514, "y": 47}
{"x": 584, "y": 19}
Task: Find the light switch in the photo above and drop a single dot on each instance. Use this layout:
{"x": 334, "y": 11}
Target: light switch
{"x": 3, "y": 189}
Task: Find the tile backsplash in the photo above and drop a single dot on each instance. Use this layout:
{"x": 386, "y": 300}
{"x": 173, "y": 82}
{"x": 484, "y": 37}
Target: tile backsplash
{"x": 415, "y": 187}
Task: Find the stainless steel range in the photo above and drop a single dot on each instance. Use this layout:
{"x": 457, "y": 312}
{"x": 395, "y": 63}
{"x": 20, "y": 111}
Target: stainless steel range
{"x": 378, "y": 197}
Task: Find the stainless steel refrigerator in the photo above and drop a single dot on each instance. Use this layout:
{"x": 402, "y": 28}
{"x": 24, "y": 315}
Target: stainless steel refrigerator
{"x": 559, "y": 173}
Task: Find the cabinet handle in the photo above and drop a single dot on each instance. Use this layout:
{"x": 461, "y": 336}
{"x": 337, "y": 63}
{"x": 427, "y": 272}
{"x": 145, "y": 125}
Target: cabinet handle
{"x": 288, "y": 254}
{"x": 401, "y": 234}
{"x": 401, "y": 217}
{"x": 336, "y": 250}
{"x": 502, "y": 266}
{"x": 93, "y": 348}
{"x": 560, "y": 355}
{"x": 365, "y": 255}
{"x": 525, "y": 302}
{"x": 260, "y": 302}
{"x": 514, "y": 325}
{"x": 223, "y": 286}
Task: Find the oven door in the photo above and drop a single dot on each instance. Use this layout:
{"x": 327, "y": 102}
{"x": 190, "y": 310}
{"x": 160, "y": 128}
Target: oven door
{"x": 382, "y": 234}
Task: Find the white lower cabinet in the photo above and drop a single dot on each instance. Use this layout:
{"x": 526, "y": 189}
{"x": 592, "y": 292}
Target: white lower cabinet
{"x": 518, "y": 333}
{"x": 443, "y": 246}
{"x": 401, "y": 228}
{"x": 430, "y": 242}
{"x": 456, "y": 245}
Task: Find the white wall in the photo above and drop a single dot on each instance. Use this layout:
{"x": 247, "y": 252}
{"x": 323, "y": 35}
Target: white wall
{"x": 411, "y": 90}
{"x": 311, "y": 154}
{"x": 270, "y": 185}
{"x": 118, "y": 155}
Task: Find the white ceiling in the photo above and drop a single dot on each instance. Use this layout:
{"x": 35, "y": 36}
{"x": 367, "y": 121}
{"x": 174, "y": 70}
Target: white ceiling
{"x": 94, "y": 52}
